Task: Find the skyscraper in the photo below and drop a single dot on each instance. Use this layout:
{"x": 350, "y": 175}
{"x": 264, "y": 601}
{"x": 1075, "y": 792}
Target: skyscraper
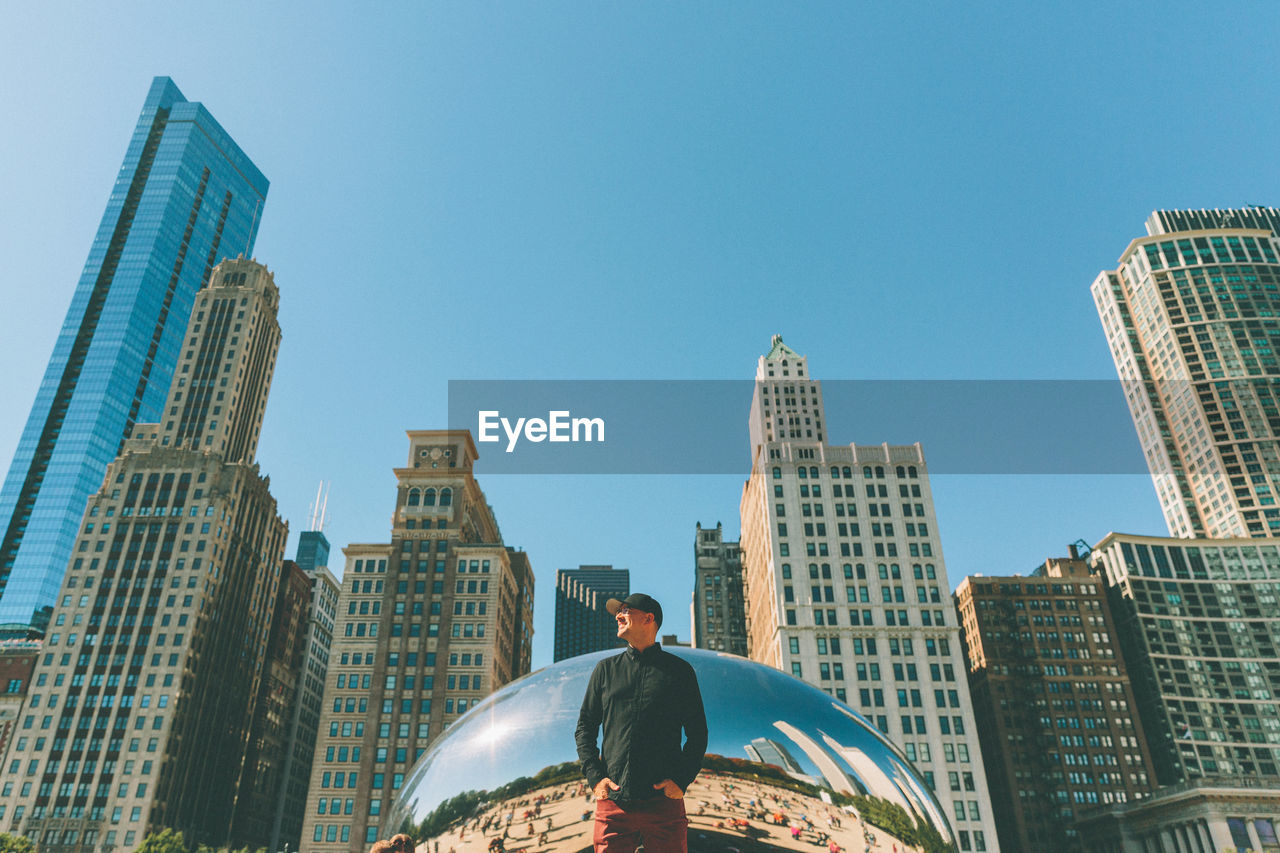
{"x": 582, "y": 623}
{"x": 428, "y": 624}
{"x": 313, "y": 550}
{"x": 719, "y": 621}
{"x": 1192, "y": 317}
{"x": 845, "y": 585}
{"x": 148, "y": 683}
{"x": 1055, "y": 709}
{"x": 185, "y": 198}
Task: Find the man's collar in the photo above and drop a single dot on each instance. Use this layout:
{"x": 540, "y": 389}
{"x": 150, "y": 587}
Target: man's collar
{"x": 651, "y": 651}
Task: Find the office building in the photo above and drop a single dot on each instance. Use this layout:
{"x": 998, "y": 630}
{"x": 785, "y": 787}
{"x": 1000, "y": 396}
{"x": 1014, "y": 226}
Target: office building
{"x": 185, "y": 198}
{"x": 262, "y": 778}
{"x": 1200, "y": 628}
{"x": 428, "y": 624}
{"x": 845, "y": 585}
{"x": 300, "y": 745}
{"x": 719, "y": 622}
{"x": 141, "y": 712}
{"x": 582, "y": 623}
{"x": 1192, "y": 317}
{"x": 1056, "y": 713}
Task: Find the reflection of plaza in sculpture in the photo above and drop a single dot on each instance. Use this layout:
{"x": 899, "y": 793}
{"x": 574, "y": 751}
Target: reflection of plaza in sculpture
{"x": 788, "y": 768}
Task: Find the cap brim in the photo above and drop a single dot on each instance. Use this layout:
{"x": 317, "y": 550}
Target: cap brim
{"x": 613, "y": 605}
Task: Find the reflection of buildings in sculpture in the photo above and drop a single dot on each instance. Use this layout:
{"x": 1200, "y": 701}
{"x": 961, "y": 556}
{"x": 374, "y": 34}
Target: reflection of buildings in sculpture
{"x": 906, "y": 782}
{"x": 898, "y": 787}
{"x": 868, "y": 775}
{"x": 836, "y": 778}
{"x": 769, "y": 751}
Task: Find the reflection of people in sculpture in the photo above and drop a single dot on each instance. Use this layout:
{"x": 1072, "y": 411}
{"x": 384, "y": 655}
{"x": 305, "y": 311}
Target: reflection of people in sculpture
{"x": 643, "y": 697}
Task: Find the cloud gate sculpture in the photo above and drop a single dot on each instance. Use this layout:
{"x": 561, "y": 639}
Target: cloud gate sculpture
{"x": 787, "y": 768}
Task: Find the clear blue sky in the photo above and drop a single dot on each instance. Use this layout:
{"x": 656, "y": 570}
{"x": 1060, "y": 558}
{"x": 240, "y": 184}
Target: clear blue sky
{"x": 650, "y": 190}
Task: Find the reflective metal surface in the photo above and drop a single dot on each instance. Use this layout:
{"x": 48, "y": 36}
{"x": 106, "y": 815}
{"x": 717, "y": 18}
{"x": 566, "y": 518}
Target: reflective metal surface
{"x": 787, "y": 768}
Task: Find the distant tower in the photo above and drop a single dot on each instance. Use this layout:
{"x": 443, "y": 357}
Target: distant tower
{"x": 185, "y": 198}
{"x": 582, "y": 623}
{"x": 167, "y": 609}
{"x": 1192, "y": 317}
{"x": 718, "y": 619}
{"x": 313, "y": 546}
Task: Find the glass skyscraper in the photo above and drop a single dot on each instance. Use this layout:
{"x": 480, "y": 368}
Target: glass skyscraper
{"x": 186, "y": 197}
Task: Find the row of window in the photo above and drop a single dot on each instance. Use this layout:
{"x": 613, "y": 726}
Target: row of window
{"x": 865, "y": 618}
{"x": 850, "y": 549}
{"x": 427, "y": 497}
{"x": 846, "y": 472}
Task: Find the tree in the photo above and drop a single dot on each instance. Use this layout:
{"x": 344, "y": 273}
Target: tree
{"x": 165, "y": 841}
{"x": 15, "y": 844}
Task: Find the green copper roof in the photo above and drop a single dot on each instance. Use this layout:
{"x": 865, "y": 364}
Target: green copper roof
{"x": 779, "y": 350}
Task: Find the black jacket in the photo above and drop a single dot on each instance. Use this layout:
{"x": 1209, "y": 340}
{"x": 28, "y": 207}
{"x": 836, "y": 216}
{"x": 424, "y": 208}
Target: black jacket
{"x": 643, "y": 699}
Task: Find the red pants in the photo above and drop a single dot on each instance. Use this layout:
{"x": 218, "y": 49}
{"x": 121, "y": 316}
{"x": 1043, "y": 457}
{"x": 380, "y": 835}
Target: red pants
{"x": 659, "y": 824}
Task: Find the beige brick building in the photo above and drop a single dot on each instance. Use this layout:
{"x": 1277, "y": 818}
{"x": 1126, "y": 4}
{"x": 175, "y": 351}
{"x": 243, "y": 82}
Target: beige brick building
{"x": 143, "y": 698}
{"x": 428, "y": 625}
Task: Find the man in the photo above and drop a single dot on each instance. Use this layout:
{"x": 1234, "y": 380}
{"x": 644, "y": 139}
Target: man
{"x": 644, "y": 697}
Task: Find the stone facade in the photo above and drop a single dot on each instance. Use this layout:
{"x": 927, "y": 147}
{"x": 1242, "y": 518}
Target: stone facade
{"x": 845, "y": 585}
{"x": 428, "y": 624}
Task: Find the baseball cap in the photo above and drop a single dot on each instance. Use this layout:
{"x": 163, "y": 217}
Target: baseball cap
{"x": 637, "y": 601}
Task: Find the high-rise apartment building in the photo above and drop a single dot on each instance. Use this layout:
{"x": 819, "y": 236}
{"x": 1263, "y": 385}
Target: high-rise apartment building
{"x": 1200, "y": 628}
{"x": 428, "y": 624}
{"x": 185, "y": 198}
{"x": 1192, "y": 317}
{"x": 582, "y": 623}
{"x": 719, "y": 622}
{"x": 145, "y": 693}
{"x": 1056, "y": 713}
{"x": 846, "y": 588}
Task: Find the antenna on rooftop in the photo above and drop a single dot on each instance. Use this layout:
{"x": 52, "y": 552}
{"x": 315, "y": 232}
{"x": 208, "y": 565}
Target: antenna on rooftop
{"x": 320, "y": 508}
